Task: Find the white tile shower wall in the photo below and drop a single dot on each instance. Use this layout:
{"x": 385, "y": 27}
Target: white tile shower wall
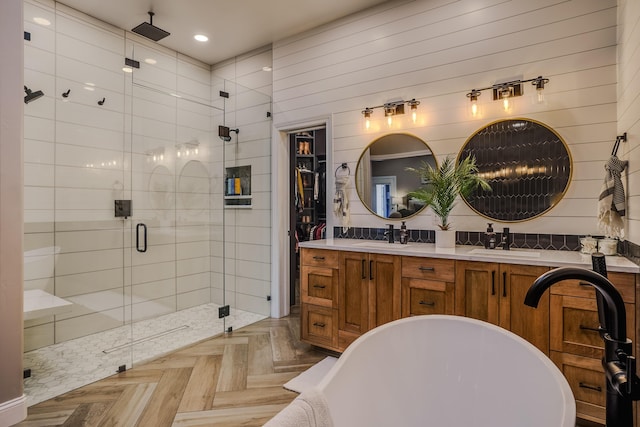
{"x": 436, "y": 51}
{"x": 629, "y": 107}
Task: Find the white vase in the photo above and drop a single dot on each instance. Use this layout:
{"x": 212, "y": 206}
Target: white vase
{"x": 445, "y": 239}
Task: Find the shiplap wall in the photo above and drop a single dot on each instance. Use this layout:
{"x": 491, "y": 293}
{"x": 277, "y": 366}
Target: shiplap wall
{"x": 629, "y": 105}
{"x": 436, "y": 51}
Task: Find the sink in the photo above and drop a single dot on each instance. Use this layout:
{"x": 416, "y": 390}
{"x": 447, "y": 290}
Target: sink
{"x": 381, "y": 245}
{"x": 508, "y": 254}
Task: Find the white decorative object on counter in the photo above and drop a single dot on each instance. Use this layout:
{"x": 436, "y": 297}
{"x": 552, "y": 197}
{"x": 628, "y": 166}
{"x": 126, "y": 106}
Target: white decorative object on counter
{"x": 588, "y": 245}
{"x": 608, "y": 246}
{"x": 445, "y": 239}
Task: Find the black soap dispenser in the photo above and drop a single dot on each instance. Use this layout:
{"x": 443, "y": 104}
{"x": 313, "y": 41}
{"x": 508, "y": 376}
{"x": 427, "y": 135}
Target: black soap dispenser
{"x": 404, "y": 235}
{"x": 490, "y": 237}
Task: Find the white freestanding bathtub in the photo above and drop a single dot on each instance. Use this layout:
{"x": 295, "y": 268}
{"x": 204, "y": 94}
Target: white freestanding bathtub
{"x": 445, "y": 371}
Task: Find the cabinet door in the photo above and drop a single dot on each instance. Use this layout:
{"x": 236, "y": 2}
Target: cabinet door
{"x": 530, "y": 323}
{"x": 353, "y": 293}
{"x": 384, "y": 289}
{"x": 476, "y": 293}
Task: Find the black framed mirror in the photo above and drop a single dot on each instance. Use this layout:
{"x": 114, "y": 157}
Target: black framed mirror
{"x": 382, "y": 181}
{"x": 526, "y": 163}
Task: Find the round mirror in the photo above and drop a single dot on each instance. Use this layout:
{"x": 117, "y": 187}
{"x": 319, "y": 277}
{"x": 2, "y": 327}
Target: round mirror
{"x": 527, "y": 165}
{"x": 382, "y": 181}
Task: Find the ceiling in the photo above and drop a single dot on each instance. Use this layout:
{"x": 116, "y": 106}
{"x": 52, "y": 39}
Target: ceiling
{"x": 234, "y": 27}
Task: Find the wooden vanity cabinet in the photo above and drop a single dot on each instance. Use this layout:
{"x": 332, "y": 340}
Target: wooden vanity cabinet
{"x": 427, "y": 286}
{"x": 494, "y": 293}
{"x": 576, "y": 346}
{"x": 368, "y": 293}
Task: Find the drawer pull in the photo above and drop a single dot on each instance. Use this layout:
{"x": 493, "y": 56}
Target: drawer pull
{"x": 584, "y": 283}
{"x": 371, "y": 270}
{"x": 319, "y": 286}
{"x": 318, "y": 258}
{"x": 589, "y": 328}
{"x": 319, "y": 325}
{"x": 590, "y": 387}
{"x": 426, "y": 268}
{"x": 427, "y": 303}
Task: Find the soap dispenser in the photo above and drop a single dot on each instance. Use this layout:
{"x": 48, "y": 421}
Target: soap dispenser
{"x": 490, "y": 237}
{"x": 404, "y": 235}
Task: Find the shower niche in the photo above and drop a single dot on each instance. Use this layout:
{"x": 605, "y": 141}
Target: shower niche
{"x": 237, "y": 187}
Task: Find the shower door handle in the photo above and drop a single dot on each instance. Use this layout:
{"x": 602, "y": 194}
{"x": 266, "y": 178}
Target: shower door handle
{"x": 144, "y": 235}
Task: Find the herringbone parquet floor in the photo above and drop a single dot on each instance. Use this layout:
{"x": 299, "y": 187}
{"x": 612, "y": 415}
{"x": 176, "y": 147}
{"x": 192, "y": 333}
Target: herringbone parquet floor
{"x": 231, "y": 380}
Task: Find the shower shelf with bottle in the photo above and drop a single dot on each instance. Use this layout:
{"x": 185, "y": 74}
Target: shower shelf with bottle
{"x": 237, "y": 187}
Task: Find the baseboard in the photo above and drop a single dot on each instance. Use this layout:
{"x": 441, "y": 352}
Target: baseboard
{"x": 13, "y": 411}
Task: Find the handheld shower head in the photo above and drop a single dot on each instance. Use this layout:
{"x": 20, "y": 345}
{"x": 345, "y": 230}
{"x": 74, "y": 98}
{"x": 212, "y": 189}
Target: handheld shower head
{"x": 32, "y": 96}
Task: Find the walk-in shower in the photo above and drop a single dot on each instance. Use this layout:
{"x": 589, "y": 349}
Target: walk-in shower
{"x": 125, "y": 213}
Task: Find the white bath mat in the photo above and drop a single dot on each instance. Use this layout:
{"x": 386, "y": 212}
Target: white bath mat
{"x": 311, "y": 376}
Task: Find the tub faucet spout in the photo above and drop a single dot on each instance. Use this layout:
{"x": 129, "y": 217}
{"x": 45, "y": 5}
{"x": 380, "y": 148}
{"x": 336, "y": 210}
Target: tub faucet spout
{"x": 623, "y": 386}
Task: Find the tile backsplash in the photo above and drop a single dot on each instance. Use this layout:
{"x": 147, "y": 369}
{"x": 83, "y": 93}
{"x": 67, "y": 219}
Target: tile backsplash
{"x": 562, "y": 242}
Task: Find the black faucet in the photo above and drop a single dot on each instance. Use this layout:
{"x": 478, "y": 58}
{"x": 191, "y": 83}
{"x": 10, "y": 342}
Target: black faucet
{"x": 619, "y": 365}
{"x": 389, "y": 233}
{"x": 506, "y": 239}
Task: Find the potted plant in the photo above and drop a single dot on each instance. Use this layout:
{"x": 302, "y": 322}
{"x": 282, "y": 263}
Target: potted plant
{"x": 442, "y": 186}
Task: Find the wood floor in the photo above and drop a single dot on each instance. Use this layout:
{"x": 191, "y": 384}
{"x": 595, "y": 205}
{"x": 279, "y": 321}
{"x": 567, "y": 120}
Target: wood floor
{"x": 231, "y": 380}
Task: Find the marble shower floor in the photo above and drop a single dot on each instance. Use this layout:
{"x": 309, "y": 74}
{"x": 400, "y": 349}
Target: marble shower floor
{"x": 63, "y": 367}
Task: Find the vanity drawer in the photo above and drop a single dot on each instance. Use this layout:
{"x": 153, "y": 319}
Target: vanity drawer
{"x": 624, "y": 283}
{"x": 421, "y": 296}
{"x": 574, "y": 325}
{"x": 319, "y": 258}
{"x": 319, "y": 285}
{"x": 428, "y": 268}
{"x": 587, "y": 381}
{"x": 319, "y": 325}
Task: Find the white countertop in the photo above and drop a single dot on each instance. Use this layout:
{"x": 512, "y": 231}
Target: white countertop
{"x": 475, "y": 253}
{"x": 38, "y": 303}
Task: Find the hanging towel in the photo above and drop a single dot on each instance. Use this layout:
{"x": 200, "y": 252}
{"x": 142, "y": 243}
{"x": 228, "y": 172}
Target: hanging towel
{"x": 611, "y": 203}
{"x": 341, "y": 202}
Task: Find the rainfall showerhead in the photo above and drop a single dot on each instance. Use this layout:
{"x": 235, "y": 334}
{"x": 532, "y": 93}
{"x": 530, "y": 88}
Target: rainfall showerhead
{"x": 31, "y": 96}
{"x": 150, "y": 31}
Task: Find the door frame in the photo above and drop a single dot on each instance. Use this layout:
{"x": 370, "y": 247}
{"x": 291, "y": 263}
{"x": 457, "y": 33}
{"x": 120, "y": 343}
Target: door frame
{"x": 280, "y": 191}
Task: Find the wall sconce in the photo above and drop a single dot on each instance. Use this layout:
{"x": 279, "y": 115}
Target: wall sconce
{"x": 391, "y": 109}
{"x": 506, "y": 91}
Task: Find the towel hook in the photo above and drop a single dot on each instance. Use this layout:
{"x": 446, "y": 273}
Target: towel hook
{"x": 343, "y": 166}
{"x": 619, "y": 138}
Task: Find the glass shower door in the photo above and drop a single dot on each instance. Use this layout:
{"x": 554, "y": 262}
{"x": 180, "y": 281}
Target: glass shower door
{"x": 170, "y": 249}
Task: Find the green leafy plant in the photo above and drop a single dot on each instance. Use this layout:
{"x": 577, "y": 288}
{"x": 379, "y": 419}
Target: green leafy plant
{"x": 443, "y": 184}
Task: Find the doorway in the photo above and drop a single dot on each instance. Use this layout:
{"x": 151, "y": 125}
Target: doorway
{"x": 308, "y": 196}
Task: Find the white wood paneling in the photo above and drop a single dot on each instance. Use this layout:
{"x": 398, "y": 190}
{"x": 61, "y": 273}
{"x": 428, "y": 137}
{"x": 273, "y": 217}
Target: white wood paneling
{"x": 436, "y": 52}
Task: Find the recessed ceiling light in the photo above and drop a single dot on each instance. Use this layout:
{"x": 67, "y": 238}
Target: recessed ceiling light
{"x": 41, "y": 21}
{"x": 201, "y": 37}
{"x": 127, "y": 69}
{"x": 266, "y": 68}
{"x": 150, "y": 61}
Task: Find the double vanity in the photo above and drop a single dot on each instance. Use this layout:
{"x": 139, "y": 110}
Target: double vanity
{"x": 350, "y": 286}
